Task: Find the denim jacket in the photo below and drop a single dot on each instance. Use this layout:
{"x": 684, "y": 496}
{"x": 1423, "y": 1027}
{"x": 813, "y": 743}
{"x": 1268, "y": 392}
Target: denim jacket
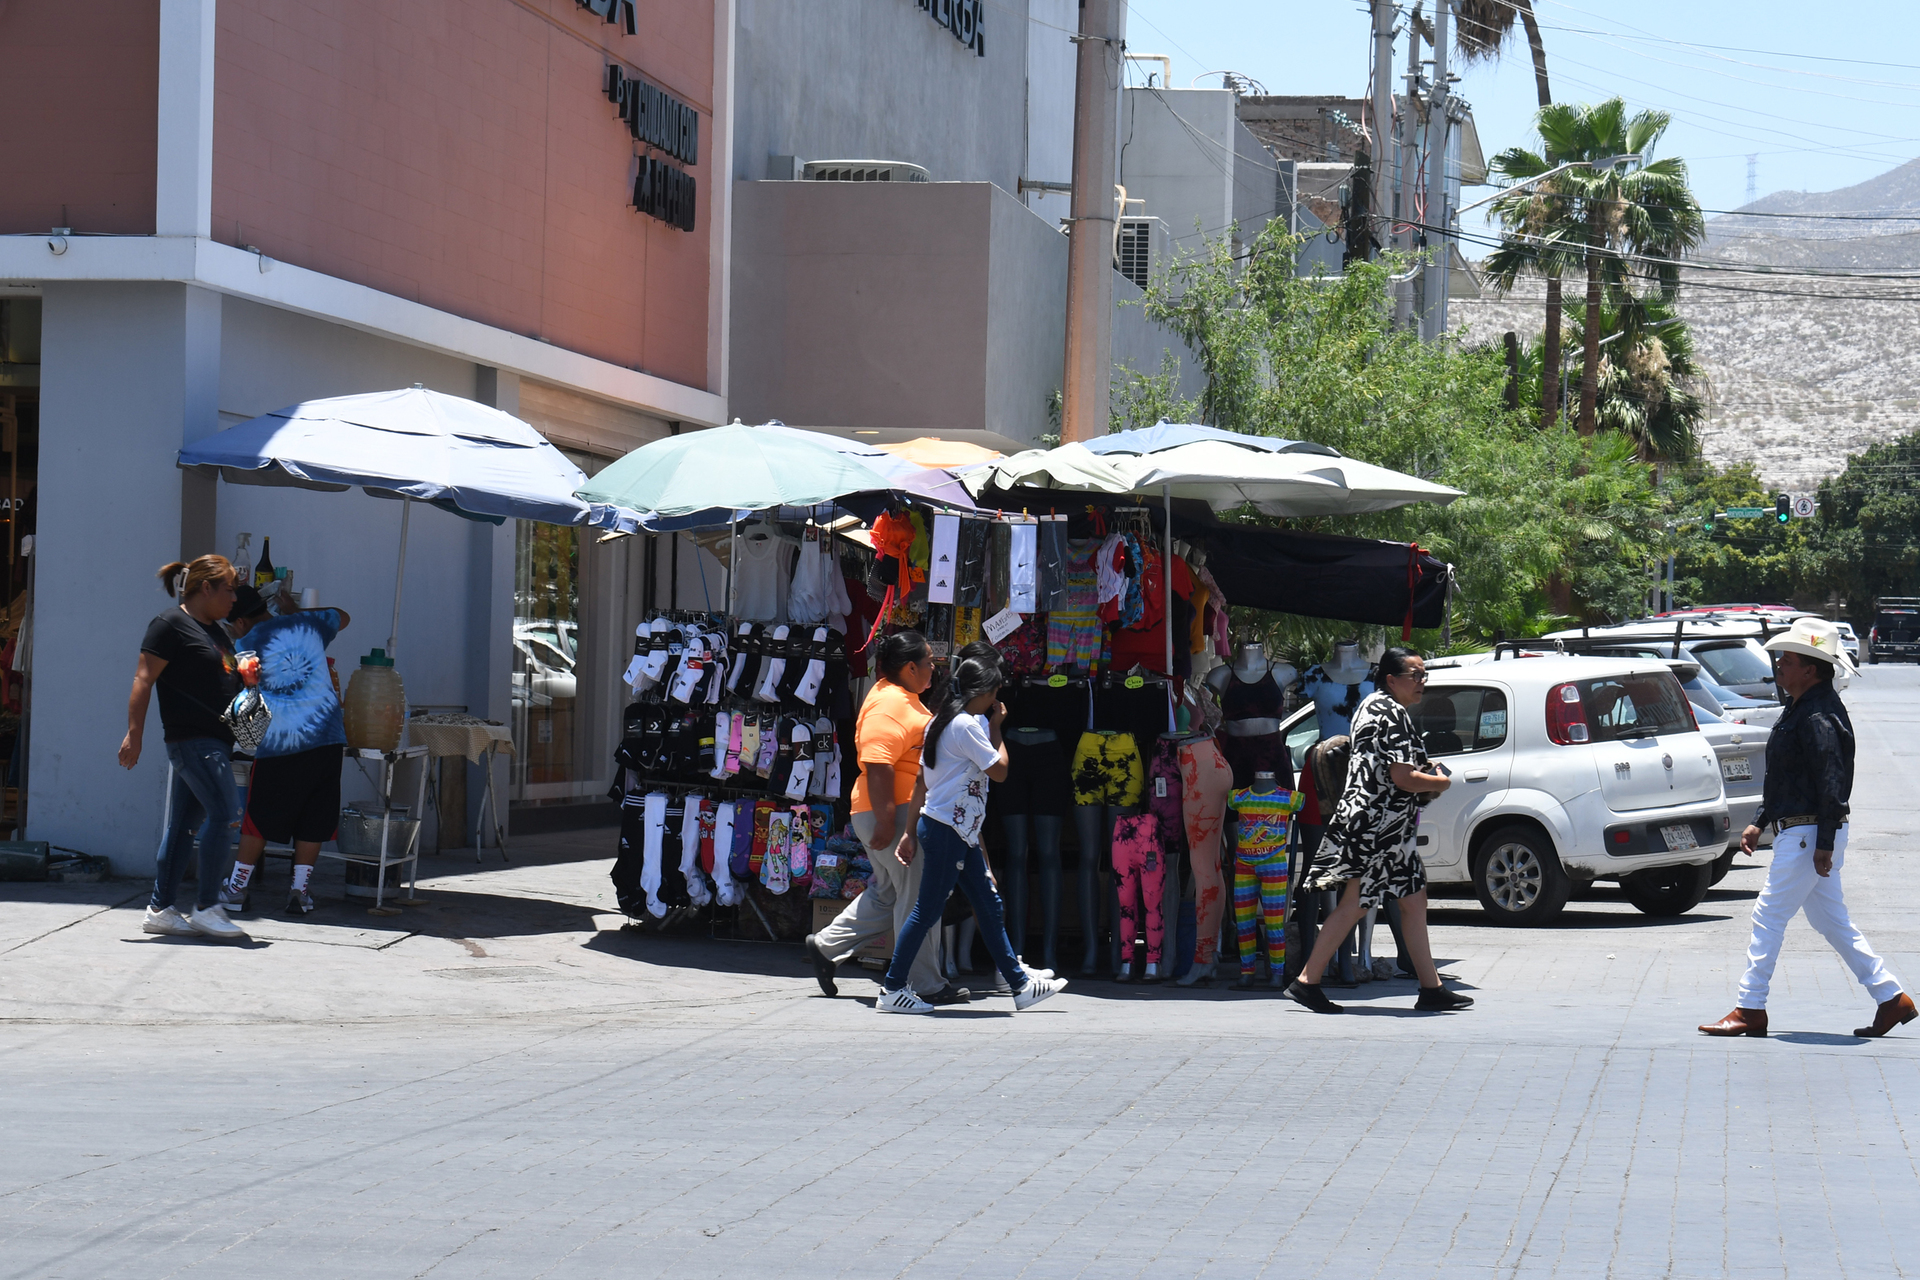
{"x": 1810, "y": 763}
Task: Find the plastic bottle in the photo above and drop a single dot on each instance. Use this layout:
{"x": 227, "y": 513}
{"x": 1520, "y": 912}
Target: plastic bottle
{"x": 376, "y": 704}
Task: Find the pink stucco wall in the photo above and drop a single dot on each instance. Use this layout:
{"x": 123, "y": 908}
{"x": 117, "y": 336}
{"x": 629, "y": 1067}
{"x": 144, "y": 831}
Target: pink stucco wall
{"x": 461, "y": 153}
{"x": 77, "y": 98}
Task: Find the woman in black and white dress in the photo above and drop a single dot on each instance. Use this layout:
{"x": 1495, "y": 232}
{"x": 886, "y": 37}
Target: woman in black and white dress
{"x": 1368, "y": 852}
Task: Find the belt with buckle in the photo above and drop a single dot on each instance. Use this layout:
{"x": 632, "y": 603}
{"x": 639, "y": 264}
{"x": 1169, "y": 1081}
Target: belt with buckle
{"x": 1797, "y": 820}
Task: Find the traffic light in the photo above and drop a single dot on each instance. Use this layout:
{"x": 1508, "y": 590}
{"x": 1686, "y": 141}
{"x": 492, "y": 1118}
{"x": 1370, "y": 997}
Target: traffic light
{"x": 1706, "y": 520}
{"x": 1783, "y": 508}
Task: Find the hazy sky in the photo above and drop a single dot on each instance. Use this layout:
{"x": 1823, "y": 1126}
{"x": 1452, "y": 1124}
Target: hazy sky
{"x": 1826, "y": 95}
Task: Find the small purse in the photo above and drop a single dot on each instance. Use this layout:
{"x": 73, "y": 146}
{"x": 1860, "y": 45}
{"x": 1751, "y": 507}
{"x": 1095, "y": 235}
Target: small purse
{"x": 247, "y": 719}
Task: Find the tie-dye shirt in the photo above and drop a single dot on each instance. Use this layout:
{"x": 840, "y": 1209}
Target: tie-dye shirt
{"x": 295, "y": 681}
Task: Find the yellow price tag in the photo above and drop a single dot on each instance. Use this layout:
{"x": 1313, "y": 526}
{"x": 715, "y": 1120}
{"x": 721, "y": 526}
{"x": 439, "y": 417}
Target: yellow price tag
{"x": 1057, "y": 682}
{"x": 1136, "y": 682}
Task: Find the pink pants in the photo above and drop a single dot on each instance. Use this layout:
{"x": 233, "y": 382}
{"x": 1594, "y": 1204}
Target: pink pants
{"x": 1140, "y": 873}
{"x": 1205, "y": 778}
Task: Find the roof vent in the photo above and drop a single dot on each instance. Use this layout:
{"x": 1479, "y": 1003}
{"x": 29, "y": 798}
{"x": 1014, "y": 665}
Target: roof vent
{"x": 863, "y": 171}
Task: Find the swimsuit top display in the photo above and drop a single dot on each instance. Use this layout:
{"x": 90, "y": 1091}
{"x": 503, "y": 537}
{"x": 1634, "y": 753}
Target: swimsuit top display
{"x": 1260, "y": 699}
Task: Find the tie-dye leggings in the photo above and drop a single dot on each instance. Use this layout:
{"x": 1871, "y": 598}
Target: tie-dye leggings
{"x": 1260, "y": 899}
{"x": 1140, "y": 874}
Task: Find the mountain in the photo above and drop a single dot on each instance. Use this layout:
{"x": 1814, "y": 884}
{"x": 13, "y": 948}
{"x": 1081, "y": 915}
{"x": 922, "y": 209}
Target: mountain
{"x": 1803, "y": 369}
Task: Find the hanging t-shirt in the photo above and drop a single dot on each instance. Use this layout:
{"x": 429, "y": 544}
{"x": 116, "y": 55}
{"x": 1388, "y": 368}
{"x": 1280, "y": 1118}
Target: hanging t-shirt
{"x": 295, "y": 681}
{"x": 200, "y": 679}
{"x": 957, "y": 779}
{"x": 759, "y": 574}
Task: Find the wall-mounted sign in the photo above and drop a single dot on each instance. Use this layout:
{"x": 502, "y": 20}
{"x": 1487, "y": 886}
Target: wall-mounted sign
{"x": 966, "y": 19}
{"x": 617, "y": 12}
{"x": 669, "y": 126}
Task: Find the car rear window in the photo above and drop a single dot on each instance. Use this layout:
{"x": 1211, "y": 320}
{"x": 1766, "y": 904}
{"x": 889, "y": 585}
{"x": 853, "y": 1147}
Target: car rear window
{"x": 1896, "y": 625}
{"x": 1637, "y": 706}
{"x": 1733, "y": 664}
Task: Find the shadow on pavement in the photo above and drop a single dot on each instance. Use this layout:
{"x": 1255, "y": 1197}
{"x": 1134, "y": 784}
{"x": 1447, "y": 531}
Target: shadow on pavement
{"x": 1819, "y": 1037}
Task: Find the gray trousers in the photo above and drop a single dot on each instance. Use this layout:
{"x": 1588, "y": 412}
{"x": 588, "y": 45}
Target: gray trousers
{"x": 882, "y": 910}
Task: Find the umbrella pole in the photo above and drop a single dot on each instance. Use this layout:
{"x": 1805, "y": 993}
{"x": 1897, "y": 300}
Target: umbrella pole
{"x": 1166, "y": 575}
{"x": 733, "y": 557}
{"x": 399, "y": 578}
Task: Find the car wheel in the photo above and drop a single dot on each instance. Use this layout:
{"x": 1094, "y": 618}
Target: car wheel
{"x": 1722, "y": 865}
{"x": 1519, "y": 878}
{"x": 1873, "y": 659}
{"x": 1668, "y": 891}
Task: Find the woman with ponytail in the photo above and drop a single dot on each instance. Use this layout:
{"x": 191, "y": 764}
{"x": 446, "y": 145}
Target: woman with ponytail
{"x": 187, "y": 656}
{"x": 962, "y": 754}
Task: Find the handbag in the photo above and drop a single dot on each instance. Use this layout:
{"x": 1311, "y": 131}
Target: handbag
{"x": 247, "y": 719}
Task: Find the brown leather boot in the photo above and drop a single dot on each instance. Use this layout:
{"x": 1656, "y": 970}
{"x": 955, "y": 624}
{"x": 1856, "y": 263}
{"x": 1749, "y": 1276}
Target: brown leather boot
{"x": 1741, "y": 1022}
{"x": 1889, "y": 1015}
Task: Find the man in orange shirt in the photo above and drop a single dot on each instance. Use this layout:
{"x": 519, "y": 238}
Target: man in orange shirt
{"x": 886, "y": 808}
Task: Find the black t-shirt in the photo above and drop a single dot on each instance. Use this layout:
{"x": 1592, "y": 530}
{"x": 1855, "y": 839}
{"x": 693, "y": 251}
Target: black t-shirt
{"x": 200, "y": 679}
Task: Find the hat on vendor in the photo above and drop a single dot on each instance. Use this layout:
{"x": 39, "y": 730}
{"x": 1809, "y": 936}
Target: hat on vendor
{"x": 247, "y": 603}
{"x": 1813, "y": 638}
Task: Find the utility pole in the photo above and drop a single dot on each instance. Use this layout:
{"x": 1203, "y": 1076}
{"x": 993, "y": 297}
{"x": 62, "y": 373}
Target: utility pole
{"x": 1404, "y": 242}
{"x": 1096, "y": 125}
{"x": 1383, "y": 157}
{"x": 1433, "y": 320}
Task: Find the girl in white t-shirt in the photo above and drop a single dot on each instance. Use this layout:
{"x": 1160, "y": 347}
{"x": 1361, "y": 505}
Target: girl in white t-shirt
{"x": 961, "y": 755}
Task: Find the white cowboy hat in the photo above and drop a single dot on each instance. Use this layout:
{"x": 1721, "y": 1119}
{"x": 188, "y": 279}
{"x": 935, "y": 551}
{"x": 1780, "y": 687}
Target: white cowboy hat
{"x": 1815, "y": 638}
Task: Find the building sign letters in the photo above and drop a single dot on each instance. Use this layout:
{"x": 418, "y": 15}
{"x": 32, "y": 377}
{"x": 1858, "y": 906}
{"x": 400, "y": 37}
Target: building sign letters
{"x": 964, "y": 18}
{"x": 669, "y": 126}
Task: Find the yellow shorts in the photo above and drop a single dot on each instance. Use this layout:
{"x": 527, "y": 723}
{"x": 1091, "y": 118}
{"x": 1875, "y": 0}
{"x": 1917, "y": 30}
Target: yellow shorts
{"x": 1107, "y": 770}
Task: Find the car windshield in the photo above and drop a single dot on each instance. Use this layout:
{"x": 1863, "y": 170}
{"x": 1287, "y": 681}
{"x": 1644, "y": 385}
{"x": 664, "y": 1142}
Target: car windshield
{"x": 1705, "y": 716}
{"x": 1733, "y": 664}
{"x": 1636, "y": 706}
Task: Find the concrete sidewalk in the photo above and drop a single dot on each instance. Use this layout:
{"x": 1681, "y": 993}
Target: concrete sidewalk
{"x": 504, "y": 1083}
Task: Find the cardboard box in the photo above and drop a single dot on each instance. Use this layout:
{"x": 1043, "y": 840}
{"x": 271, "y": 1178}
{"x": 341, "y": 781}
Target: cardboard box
{"x": 825, "y": 909}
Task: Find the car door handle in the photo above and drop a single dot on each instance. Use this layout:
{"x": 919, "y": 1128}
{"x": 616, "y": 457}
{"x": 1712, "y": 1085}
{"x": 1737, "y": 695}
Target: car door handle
{"x": 1479, "y": 775}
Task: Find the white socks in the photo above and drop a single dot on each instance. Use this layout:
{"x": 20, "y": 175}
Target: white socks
{"x": 809, "y": 687}
{"x": 726, "y": 890}
{"x": 690, "y": 824}
{"x": 650, "y": 869}
{"x": 771, "y": 672}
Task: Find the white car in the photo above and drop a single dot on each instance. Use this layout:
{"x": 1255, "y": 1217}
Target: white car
{"x": 1742, "y": 749}
{"x": 1849, "y": 641}
{"x": 1565, "y": 770}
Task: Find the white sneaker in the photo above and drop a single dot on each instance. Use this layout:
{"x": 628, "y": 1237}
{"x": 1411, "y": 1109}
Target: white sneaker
{"x": 169, "y": 922}
{"x": 1036, "y": 990}
{"x": 901, "y": 1001}
{"x": 1032, "y": 971}
{"x": 212, "y": 922}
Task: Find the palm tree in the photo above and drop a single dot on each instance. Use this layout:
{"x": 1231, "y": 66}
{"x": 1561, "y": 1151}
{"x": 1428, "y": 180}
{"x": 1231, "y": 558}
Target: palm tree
{"x": 1652, "y": 389}
{"x": 1619, "y": 224}
{"x": 1485, "y": 26}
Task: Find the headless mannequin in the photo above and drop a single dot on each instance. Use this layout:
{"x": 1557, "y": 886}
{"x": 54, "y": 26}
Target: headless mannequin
{"x": 1045, "y": 845}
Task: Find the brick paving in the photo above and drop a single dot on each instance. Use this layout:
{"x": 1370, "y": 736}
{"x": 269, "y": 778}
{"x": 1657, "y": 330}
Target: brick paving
{"x": 504, "y": 1084}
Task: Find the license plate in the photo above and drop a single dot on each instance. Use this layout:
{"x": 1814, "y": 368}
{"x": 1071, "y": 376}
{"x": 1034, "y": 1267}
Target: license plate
{"x": 1737, "y": 769}
{"x": 1679, "y": 836}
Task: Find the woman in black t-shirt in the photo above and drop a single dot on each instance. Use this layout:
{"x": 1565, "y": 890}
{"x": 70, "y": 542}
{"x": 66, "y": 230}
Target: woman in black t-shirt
{"x": 189, "y": 659}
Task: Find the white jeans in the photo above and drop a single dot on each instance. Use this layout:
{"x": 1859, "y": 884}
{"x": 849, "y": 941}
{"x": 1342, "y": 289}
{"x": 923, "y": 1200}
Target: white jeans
{"x": 1793, "y": 885}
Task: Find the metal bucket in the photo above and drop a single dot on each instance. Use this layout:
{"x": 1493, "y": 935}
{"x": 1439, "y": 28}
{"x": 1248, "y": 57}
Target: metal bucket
{"x": 359, "y": 838}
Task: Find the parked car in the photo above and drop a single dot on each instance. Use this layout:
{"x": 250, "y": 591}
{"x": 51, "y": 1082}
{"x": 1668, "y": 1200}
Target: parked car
{"x": 1565, "y": 770}
{"x": 543, "y": 668}
{"x": 1850, "y": 641}
{"x": 1710, "y": 695}
{"x": 1895, "y": 636}
{"x": 1742, "y": 749}
{"x": 1728, "y": 650}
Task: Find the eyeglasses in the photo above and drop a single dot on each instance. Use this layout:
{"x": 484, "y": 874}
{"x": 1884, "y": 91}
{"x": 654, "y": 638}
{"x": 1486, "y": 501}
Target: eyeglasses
{"x": 1418, "y": 677}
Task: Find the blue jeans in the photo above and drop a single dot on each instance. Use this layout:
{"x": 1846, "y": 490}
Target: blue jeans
{"x": 950, "y": 861}
{"x": 203, "y": 799}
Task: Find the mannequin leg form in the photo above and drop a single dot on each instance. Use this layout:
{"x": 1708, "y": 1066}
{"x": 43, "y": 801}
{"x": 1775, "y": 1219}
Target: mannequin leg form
{"x": 1014, "y": 825}
{"x": 1403, "y": 963}
{"x": 1363, "y": 967}
{"x": 1090, "y": 825}
{"x": 1046, "y": 841}
{"x": 966, "y": 930}
{"x": 1114, "y": 814}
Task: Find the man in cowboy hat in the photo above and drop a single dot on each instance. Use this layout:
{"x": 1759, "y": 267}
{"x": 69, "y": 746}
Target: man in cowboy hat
{"x": 1809, "y": 782}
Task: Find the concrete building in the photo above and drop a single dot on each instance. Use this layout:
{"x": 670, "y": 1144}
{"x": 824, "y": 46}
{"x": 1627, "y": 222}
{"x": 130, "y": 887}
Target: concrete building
{"x": 213, "y": 210}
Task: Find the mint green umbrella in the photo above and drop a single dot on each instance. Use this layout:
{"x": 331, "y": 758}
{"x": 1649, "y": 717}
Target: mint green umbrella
{"x": 737, "y": 467}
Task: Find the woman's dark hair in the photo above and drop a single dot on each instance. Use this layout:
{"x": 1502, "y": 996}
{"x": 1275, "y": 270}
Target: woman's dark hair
{"x": 1394, "y": 662}
{"x": 901, "y": 649}
{"x": 971, "y": 677}
{"x": 247, "y": 603}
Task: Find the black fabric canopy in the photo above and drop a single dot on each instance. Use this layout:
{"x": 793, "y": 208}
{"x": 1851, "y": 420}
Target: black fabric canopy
{"x": 1313, "y": 575}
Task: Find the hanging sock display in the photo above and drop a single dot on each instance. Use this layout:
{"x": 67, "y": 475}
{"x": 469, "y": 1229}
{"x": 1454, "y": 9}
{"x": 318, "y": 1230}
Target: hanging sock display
{"x": 1024, "y": 568}
{"x": 654, "y": 838}
{"x": 690, "y": 835}
{"x": 726, "y": 890}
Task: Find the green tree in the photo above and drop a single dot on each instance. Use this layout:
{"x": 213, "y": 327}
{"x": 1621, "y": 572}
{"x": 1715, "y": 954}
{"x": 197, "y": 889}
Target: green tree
{"x": 1650, "y": 386}
{"x": 1613, "y": 222}
{"x": 1318, "y": 359}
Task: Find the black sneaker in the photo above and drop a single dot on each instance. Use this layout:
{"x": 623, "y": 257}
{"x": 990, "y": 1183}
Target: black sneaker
{"x": 948, "y": 994}
{"x": 1441, "y": 1000}
{"x": 822, "y": 967}
{"x": 1309, "y": 995}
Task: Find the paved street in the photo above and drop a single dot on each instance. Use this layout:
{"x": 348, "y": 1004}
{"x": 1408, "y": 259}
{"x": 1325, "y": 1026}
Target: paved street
{"x": 504, "y": 1084}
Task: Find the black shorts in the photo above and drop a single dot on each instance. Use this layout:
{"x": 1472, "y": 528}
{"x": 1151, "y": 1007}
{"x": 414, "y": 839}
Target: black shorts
{"x": 295, "y": 797}
{"x": 1038, "y": 779}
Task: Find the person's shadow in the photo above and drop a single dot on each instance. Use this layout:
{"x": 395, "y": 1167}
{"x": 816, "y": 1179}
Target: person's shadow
{"x": 1820, "y": 1037}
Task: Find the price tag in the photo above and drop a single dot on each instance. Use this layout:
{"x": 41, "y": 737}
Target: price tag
{"x": 1001, "y": 625}
{"x": 1136, "y": 682}
{"x": 1056, "y": 682}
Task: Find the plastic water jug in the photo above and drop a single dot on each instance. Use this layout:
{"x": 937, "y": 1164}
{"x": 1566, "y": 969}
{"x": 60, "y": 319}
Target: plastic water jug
{"x": 375, "y": 705}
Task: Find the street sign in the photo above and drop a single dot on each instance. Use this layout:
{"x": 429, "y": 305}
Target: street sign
{"x": 1745, "y": 513}
{"x": 1803, "y": 508}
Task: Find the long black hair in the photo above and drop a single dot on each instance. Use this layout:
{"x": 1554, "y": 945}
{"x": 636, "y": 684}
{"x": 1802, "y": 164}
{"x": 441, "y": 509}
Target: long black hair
{"x": 971, "y": 677}
{"x": 1396, "y": 662}
{"x": 901, "y": 649}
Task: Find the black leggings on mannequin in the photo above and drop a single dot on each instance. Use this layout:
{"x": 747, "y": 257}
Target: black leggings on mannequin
{"x": 1094, "y": 825}
{"x": 1046, "y": 849}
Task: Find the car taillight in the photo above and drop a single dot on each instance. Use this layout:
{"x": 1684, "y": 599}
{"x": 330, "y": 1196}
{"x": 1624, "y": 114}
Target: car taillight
{"x": 1566, "y": 715}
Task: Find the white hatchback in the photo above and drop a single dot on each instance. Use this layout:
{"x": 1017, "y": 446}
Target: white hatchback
{"x": 1565, "y": 770}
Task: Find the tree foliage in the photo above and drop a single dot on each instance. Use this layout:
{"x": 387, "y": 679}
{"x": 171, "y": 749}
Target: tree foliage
{"x": 1317, "y": 358}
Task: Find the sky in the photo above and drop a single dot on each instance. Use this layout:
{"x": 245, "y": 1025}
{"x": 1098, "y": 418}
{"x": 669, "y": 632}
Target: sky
{"x": 1822, "y": 102}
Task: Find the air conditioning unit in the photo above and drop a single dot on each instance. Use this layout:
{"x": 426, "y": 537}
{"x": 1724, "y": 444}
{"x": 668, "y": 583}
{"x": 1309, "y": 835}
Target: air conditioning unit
{"x": 1144, "y": 251}
{"x": 862, "y": 171}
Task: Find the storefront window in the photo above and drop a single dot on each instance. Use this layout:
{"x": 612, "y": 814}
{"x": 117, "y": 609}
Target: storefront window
{"x": 546, "y": 654}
